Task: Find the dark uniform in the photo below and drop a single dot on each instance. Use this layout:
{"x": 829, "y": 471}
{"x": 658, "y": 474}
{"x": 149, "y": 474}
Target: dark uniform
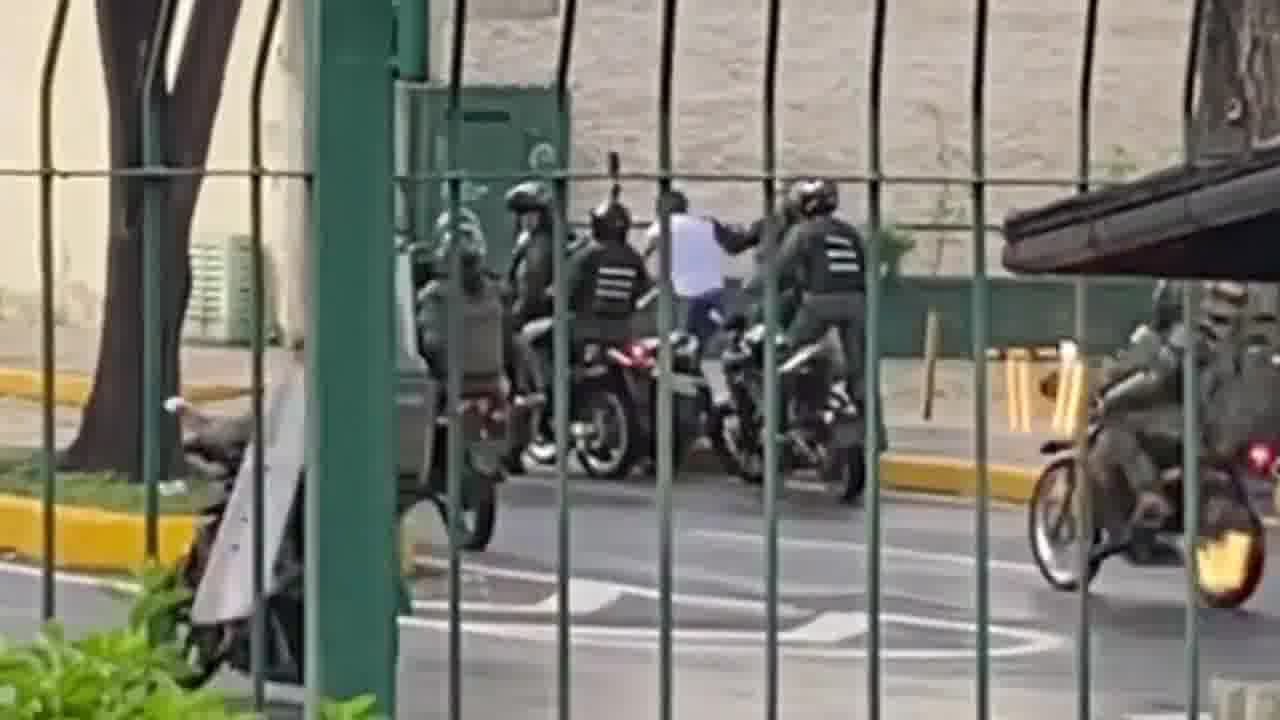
{"x": 530, "y": 272}
{"x": 483, "y": 342}
{"x": 821, "y": 262}
{"x": 607, "y": 277}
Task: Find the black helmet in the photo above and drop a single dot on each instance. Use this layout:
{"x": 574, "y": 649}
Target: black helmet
{"x": 529, "y": 196}
{"x": 610, "y": 222}
{"x": 672, "y": 201}
{"x": 812, "y": 197}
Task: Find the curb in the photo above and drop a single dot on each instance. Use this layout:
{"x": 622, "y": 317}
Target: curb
{"x": 72, "y": 389}
{"x": 89, "y": 539}
{"x": 920, "y": 473}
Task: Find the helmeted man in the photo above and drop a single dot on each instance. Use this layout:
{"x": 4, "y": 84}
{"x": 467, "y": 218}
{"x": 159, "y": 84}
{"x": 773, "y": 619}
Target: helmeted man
{"x": 763, "y": 236}
{"x": 821, "y": 259}
{"x": 483, "y": 341}
{"x": 529, "y": 273}
{"x": 607, "y": 277}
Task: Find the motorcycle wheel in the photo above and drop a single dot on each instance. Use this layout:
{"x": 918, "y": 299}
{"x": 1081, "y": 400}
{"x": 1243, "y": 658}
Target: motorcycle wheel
{"x": 204, "y": 648}
{"x": 614, "y": 457}
{"x": 478, "y": 521}
{"x": 1228, "y": 520}
{"x": 1053, "y": 527}
{"x": 723, "y": 426}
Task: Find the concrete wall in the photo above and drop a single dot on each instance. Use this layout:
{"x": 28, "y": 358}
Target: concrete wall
{"x": 1034, "y": 56}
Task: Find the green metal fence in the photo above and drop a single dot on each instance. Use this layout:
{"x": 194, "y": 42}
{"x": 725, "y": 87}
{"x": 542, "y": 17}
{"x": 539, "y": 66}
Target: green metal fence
{"x": 350, "y": 634}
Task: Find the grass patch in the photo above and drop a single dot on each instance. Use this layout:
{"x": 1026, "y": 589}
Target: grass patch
{"x": 20, "y": 475}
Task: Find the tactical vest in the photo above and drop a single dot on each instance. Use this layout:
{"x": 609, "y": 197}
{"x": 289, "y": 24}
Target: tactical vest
{"x": 1239, "y": 314}
{"x": 614, "y": 289}
{"x": 834, "y": 261}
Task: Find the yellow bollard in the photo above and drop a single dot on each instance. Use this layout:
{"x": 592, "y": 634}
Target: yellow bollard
{"x": 1011, "y": 399}
{"x": 1023, "y": 365}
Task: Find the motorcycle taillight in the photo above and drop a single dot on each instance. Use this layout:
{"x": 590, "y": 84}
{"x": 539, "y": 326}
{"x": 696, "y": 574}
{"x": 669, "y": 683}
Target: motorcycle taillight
{"x": 1261, "y": 457}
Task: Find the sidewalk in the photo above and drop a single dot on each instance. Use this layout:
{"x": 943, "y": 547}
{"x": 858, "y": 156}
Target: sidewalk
{"x": 948, "y": 434}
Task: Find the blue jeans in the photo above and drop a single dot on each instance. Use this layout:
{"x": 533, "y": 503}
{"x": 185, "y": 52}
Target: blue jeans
{"x": 698, "y": 321}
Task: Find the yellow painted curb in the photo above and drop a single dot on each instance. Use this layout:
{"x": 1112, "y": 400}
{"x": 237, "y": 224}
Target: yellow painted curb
{"x": 72, "y": 389}
{"x": 89, "y": 539}
{"x": 947, "y": 476}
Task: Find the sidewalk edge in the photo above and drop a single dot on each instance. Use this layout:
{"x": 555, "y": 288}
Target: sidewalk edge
{"x": 89, "y": 539}
{"x": 72, "y": 389}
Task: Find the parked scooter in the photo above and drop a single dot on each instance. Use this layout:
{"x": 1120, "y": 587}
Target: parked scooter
{"x": 214, "y": 624}
{"x": 820, "y": 427}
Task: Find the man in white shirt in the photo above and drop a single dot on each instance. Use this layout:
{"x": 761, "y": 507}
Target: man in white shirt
{"x": 697, "y": 264}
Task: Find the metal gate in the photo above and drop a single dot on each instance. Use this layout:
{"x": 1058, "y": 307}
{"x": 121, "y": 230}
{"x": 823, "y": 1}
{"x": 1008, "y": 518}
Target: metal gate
{"x": 350, "y": 638}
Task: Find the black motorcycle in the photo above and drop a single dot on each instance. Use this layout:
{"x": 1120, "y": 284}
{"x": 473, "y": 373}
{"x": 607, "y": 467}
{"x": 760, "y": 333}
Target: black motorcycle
{"x": 616, "y": 404}
{"x": 820, "y": 426}
{"x": 210, "y": 646}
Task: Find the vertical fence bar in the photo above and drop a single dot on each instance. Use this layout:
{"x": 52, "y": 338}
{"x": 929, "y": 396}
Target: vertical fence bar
{"x": 1191, "y": 391}
{"x": 1191, "y": 500}
{"x": 561, "y": 390}
{"x": 666, "y": 525}
{"x": 1084, "y": 487}
{"x": 772, "y": 399}
{"x": 155, "y": 228}
{"x": 453, "y": 400}
{"x": 48, "y": 347}
{"x": 258, "y": 631}
{"x": 1190, "y": 75}
{"x": 981, "y": 300}
{"x": 872, "y": 409}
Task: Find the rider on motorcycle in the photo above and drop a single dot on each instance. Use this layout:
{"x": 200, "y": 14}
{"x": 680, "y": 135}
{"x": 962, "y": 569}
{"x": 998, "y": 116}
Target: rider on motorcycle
{"x": 607, "y": 277}
{"x": 483, "y": 341}
{"x": 528, "y": 279}
{"x": 763, "y": 235}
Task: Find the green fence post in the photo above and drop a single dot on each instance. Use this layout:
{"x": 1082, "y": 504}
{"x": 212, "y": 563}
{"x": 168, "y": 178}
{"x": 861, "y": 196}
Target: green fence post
{"x": 560, "y": 361}
{"x": 258, "y": 634}
{"x": 772, "y": 393}
{"x": 666, "y": 525}
{"x": 1084, "y": 659}
{"x": 981, "y": 311}
{"x": 48, "y": 350}
{"x": 872, "y": 410}
{"x": 155, "y": 243}
{"x": 351, "y": 576}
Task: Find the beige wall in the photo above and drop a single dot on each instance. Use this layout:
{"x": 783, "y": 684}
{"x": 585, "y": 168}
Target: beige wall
{"x": 1035, "y": 48}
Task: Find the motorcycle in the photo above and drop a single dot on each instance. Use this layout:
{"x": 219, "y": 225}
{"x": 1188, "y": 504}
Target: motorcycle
{"x": 1231, "y": 545}
{"x": 213, "y": 624}
{"x": 616, "y": 404}
{"x": 820, "y": 426}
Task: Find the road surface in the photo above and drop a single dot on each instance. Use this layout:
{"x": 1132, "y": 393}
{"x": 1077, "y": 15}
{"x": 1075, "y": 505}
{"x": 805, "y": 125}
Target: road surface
{"x": 927, "y": 592}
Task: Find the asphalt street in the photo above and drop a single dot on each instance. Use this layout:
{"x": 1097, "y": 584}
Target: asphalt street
{"x": 509, "y": 660}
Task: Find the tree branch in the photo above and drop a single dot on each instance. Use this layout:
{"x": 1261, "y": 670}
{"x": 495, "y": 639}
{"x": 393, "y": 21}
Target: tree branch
{"x": 197, "y": 90}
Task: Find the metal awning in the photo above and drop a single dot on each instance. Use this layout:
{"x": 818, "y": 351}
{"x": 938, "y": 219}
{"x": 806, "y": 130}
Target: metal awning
{"x": 1213, "y": 221}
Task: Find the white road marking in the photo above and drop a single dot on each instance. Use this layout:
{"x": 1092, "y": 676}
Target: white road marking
{"x": 886, "y": 551}
{"x": 585, "y": 598}
{"x": 1166, "y": 716}
{"x": 815, "y": 640}
{"x": 706, "y": 602}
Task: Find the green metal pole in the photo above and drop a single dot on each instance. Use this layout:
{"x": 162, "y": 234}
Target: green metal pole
{"x": 258, "y": 634}
{"x": 48, "y": 351}
{"x": 455, "y": 331}
{"x": 666, "y": 522}
{"x": 1191, "y": 500}
{"x": 772, "y": 396}
{"x": 872, "y": 409}
{"x": 154, "y": 245}
{"x": 412, "y": 39}
{"x": 981, "y": 312}
{"x": 1084, "y": 135}
{"x": 351, "y": 577}
{"x": 560, "y": 359}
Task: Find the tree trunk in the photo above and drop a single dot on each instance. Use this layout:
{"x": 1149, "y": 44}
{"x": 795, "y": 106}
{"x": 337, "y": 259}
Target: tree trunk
{"x": 1238, "y": 105}
{"x": 110, "y": 435}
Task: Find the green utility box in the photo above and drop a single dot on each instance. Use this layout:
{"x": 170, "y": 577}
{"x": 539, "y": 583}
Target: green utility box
{"x": 506, "y": 131}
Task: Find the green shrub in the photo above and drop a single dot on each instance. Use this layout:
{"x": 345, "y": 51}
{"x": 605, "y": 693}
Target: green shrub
{"x": 123, "y": 673}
